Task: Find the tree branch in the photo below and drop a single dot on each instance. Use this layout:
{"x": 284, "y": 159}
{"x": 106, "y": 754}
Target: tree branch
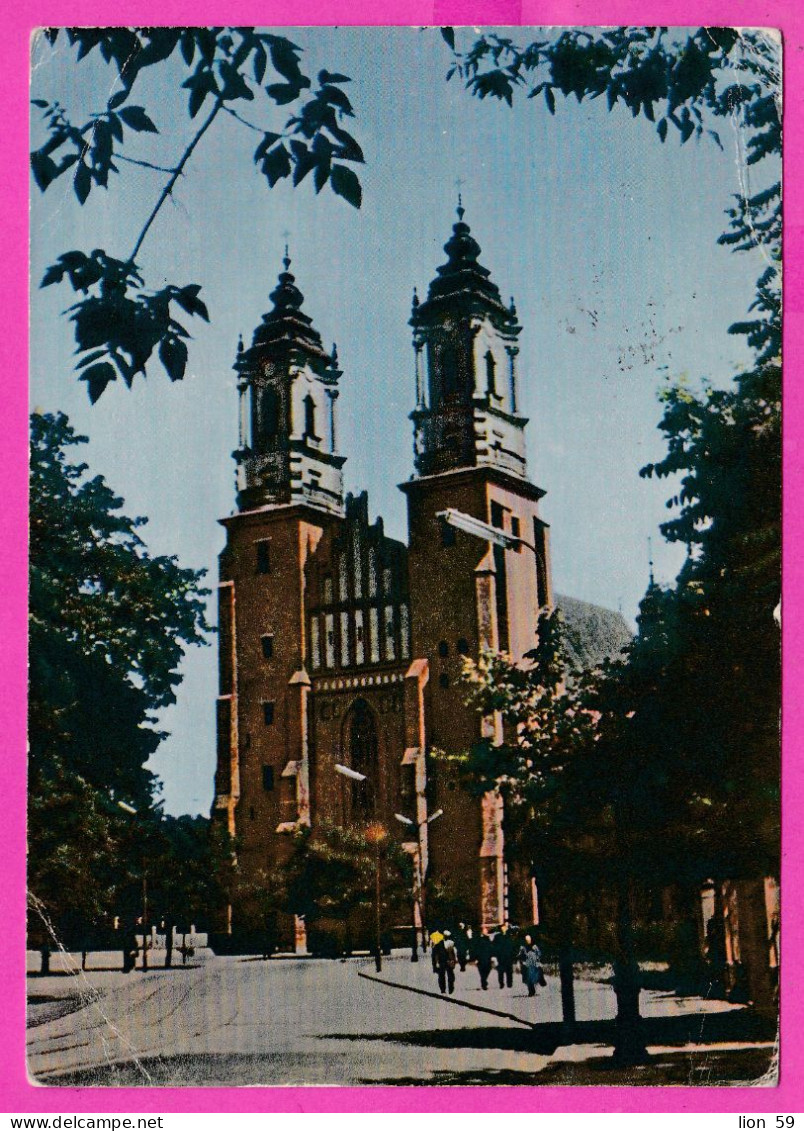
{"x": 168, "y": 189}
{"x": 145, "y": 164}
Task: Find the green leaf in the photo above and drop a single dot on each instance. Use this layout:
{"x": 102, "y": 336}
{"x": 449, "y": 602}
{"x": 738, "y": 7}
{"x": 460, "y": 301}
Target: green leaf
{"x": 661, "y": 129}
{"x": 187, "y": 298}
{"x": 448, "y": 35}
{"x": 345, "y": 183}
{"x": 82, "y": 182}
{"x": 276, "y": 164}
{"x": 136, "y": 118}
{"x": 282, "y": 93}
{"x": 97, "y": 378}
{"x": 550, "y": 99}
{"x": 268, "y": 139}
{"x": 173, "y": 355}
{"x": 117, "y": 99}
{"x": 325, "y": 77}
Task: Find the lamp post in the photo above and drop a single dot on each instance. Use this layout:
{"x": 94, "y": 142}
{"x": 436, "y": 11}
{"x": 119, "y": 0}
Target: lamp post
{"x": 133, "y": 812}
{"x": 419, "y": 825}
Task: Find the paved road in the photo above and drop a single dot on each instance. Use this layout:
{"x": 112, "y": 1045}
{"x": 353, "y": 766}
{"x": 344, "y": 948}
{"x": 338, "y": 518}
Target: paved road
{"x": 300, "y": 1021}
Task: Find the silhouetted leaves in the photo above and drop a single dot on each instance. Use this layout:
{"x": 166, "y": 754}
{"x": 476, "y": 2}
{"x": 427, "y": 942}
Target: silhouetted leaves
{"x": 226, "y": 66}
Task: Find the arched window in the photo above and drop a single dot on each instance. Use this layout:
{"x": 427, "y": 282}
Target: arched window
{"x": 309, "y": 418}
{"x": 491, "y": 379}
{"x": 361, "y": 747}
{"x": 449, "y": 370}
{"x": 269, "y": 417}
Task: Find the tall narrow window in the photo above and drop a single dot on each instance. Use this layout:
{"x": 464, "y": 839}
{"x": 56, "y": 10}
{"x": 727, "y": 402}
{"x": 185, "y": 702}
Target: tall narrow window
{"x": 491, "y": 379}
{"x": 449, "y": 370}
{"x": 372, "y": 568}
{"x": 263, "y": 557}
{"x": 374, "y": 635}
{"x": 267, "y": 642}
{"x": 315, "y": 643}
{"x": 360, "y": 641}
{"x": 268, "y": 713}
{"x": 309, "y": 418}
{"x": 343, "y": 574}
{"x": 329, "y": 640}
{"x": 404, "y": 631}
{"x": 345, "y": 640}
{"x": 328, "y": 591}
{"x": 362, "y": 744}
{"x": 358, "y": 567}
{"x": 269, "y": 417}
{"x": 390, "y": 643}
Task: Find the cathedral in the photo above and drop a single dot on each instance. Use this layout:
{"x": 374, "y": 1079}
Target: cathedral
{"x": 340, "y": 648}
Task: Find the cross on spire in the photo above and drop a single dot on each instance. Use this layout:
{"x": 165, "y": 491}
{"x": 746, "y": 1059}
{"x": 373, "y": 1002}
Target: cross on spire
{"x": 286, "y": 237}
{"x": 458, "y": 182}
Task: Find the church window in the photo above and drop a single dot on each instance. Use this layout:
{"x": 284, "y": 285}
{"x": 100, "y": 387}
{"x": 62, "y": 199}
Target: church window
{"x": 315, "y": 643}
{"x": 404, "y": 631}
{"x": 447, "y": 533}
{"x": 267, "y": 642}
{"x": 390, "y": 643}
{"x": 329, "y": 640}
{"x": 372, "y": 567}
{"x": 374, "y": 635}
{"x": 443, "y": 680}
{"x": 360, "y": 643}
{"x": 449, "y": 370}
{"x": 269, "y": 417}
{"x": 267, "y": 778}
{"x": 516, "y": 531}
{"x": 443, "y": 648}
{"x": 344, "y": 640}
{"x": 328, "y": 591}
{"x": 309, "y": 418}
{"x": 268, "y": 713}
{"x": 491, "y": 380}
{"x": 263, "y": 557}
{"x": 463, "y": 646}
{"x": 362, "y": 744}
{"x": 358, "y": 568}
{"x": 343, "y": 569}
{"x": 386, "y": 581}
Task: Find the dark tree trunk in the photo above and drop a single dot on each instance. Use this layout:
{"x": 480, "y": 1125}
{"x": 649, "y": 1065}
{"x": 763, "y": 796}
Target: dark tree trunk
{"x": 629, "y": 1044}
{"x": 566, "y": 973}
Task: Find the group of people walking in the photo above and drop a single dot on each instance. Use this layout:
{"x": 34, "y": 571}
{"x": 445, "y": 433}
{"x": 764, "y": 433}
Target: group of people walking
{"x": 505, "y": 949}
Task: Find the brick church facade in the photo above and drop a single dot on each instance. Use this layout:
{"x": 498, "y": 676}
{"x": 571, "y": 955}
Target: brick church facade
{"x": 342, "y": 646}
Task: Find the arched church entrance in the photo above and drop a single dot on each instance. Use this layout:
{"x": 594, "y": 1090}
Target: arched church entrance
{"x": 360, "y": 746}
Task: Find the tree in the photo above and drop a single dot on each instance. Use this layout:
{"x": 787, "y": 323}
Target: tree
{"x": 330, "y": 875}
{"x": 714, "y": 639}
{"x": 120, "y": 325}
{"x": 109, "y": 624}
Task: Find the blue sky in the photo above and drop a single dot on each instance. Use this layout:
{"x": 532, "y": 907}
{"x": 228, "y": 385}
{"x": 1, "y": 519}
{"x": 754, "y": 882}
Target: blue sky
{"x": 605, "y": 237}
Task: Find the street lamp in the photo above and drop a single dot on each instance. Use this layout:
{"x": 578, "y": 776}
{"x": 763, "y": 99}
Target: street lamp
{"x": 419, "y": 825}
{"x": 133, "y": 812}
{"x": 376, "y": 834}
{"x": 484, "y": 530}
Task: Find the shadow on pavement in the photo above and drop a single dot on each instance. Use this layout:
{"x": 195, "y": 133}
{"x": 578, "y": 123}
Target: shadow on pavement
{"x": 734, "y": 1026}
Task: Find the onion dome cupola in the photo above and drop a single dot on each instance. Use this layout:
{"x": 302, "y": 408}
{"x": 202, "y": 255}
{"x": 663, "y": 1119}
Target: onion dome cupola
{"x": 288, "y": 386}
{"x": 465, "y": 340}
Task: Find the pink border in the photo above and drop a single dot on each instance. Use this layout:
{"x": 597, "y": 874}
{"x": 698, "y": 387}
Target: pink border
{"x": 16, "y": 1095}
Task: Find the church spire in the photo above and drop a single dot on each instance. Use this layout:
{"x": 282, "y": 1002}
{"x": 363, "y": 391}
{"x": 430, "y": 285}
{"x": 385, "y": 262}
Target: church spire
{"x": 465, "y": 339}
{"x": 288, "y": 386}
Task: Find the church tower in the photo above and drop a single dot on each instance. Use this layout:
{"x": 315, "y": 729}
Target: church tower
{"x": 289, "y": 498}
{"x": 465, "y": 341}
{"x": 288, "y": 387}
{"x": 468, "y": 593}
